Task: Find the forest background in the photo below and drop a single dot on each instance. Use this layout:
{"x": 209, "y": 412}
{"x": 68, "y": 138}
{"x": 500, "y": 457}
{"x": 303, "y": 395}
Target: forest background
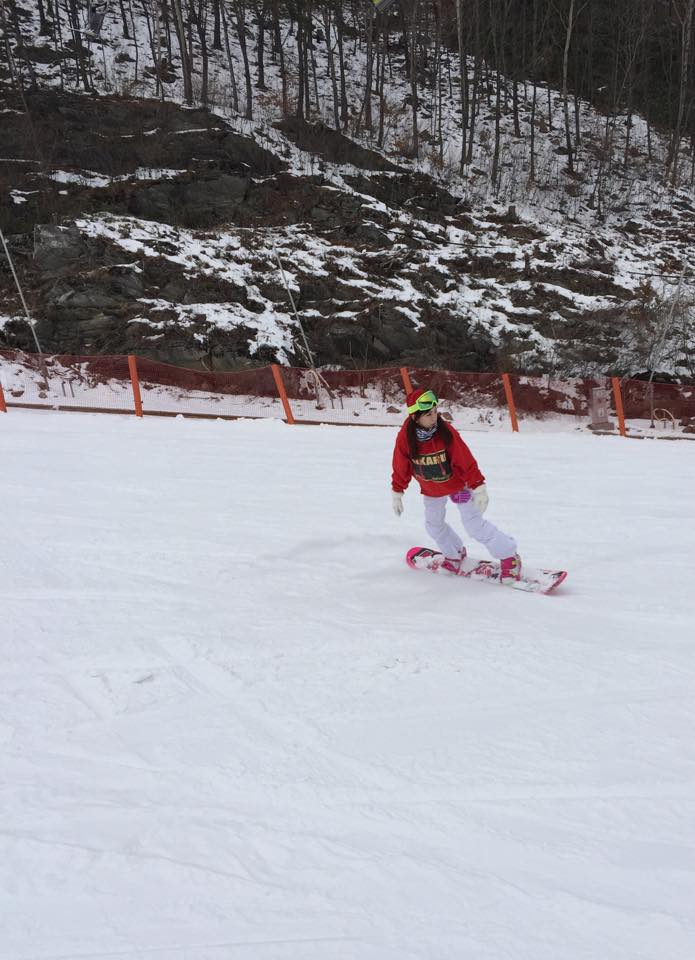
{"x": 481, "y": 185}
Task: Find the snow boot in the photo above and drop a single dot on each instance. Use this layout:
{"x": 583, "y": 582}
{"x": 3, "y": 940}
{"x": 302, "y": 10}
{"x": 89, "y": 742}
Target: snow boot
{"x": 453, "y": 564}
{"x": 510, "y": 569}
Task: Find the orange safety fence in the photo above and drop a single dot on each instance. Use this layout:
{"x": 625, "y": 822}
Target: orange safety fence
{"x": 618, "y": 403}
{"x": 239, "y": 393}
{"x": 369, "y": 397}
{"x": 103, "y": 383}
{"x": 71, "y": 382}
{"x": 667, "y": 402}
{"x": 345, "y": 396}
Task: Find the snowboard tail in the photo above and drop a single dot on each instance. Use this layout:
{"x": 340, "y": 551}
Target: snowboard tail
{"x": 531, "y": 581}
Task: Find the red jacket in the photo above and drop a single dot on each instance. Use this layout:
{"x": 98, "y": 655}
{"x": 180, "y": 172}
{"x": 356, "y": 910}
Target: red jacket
{"x": 439, "y": 469}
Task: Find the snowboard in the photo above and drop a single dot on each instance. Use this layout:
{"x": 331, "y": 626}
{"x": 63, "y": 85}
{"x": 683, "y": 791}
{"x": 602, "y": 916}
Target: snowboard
{"x": 532, "y": 581}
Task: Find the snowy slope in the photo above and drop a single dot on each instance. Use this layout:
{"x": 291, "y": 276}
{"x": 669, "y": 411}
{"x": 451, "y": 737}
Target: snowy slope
{"x": 234, "y": 724}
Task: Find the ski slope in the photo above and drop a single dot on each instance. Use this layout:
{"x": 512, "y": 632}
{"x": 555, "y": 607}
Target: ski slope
{"x": 233, "y": 724}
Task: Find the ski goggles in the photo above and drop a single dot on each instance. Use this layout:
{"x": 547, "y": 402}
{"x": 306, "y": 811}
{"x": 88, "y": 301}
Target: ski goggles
{"x": 424, "y": 402}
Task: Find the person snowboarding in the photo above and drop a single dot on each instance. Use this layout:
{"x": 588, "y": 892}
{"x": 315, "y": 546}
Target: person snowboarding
{"x": 433, "y": 452}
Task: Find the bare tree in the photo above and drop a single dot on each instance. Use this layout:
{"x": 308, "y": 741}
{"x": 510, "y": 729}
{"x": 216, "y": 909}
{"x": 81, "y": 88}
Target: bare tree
{"x": 411, "y": 30}
{"x": 199, "y": 18}
{"x": 568, "y": 19}
{"x": 463, "y": 81}
{"x": 183, "y": 51}
{"x": 240, "y": 18}
{"x": 328, "y": 28}
{"x": 230, "y": 61}
{"x": 278, "y": 50}
{"x": 683, "y": 10}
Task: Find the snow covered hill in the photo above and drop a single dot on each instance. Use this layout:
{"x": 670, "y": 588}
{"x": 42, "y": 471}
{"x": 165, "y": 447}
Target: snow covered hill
{"x": 173, "y": 219}
{"x": 234, "y": 724}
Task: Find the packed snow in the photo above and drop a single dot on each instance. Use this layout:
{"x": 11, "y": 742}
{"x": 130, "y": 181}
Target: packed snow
{"x": 233, "y": 723}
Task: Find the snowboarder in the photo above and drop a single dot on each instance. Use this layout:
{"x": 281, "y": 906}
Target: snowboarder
{"x": 433, "y": 452}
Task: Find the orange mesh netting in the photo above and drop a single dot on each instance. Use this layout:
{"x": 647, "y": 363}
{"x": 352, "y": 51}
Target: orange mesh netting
{"x": 345, "y": 396}
{"x": 66, "y": 381}
{"x": 472, "y": 400}
{"x": 370, "y": 397}
{"x": 667, "y": 402}
{"x": 239, "y": 393}
{"x": 540, "y": 396}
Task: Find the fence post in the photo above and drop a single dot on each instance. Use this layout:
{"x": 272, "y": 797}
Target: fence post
{"x": 133, "y": 368}
{"x": 619, "y": 405}
{"x": 3, "y": 405}
{"x": 406, "y": 380}
{"x": 280, "y": 384}
{"x": 510, "y": 402}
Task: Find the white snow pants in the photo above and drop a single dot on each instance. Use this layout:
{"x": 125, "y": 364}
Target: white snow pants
{"x": 498, "y": 544}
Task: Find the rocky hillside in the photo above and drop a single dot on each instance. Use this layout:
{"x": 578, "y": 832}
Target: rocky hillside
{"x": 137, "y": 225}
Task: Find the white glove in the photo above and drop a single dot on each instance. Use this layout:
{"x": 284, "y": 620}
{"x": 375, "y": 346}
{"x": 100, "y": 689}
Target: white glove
{"x": 480, "y": 498}
{"x": 397, "y": 501}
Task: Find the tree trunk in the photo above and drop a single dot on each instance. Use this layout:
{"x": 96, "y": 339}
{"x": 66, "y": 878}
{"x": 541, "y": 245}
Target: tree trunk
{"x": 301, "y": 63}
{"x": 200, "y": 18}
{"x": 281, "y": 55}
{"x": 183, "y": 52}
{"x": 21, "y": 49}
{"x": 241, "y": 33}
{"x": 74, "y": 19}
{"x": 380, "y": 82}
{"x": 44, "y": 28}
{"x": 167, "y": 28}
{"x": 260, "y": 48}
{"x": 136, "y": 46}
{"x": 150, "y": 37}
{"x": 216, "y": 31}
{"x": 367, "y": 101}
{"x": 686, "y": 21}
{"x": 230, "y": 62}
{"x": 439, "y": 95}
{"x": 532, "y": 145}
{"x": 344, "y": 111}
{"x": 565, "y": 105}
{"x": 515, "y": 107}
{"x": 312, "y": 59}
{"x": 473, "y": 102}
{"x": 494, "y": 174}
{"x": 331, "y": 66}
{"x": 412, "y": 43}
{"x": 158, "y": 47}
{"x": 124, "y": 21}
